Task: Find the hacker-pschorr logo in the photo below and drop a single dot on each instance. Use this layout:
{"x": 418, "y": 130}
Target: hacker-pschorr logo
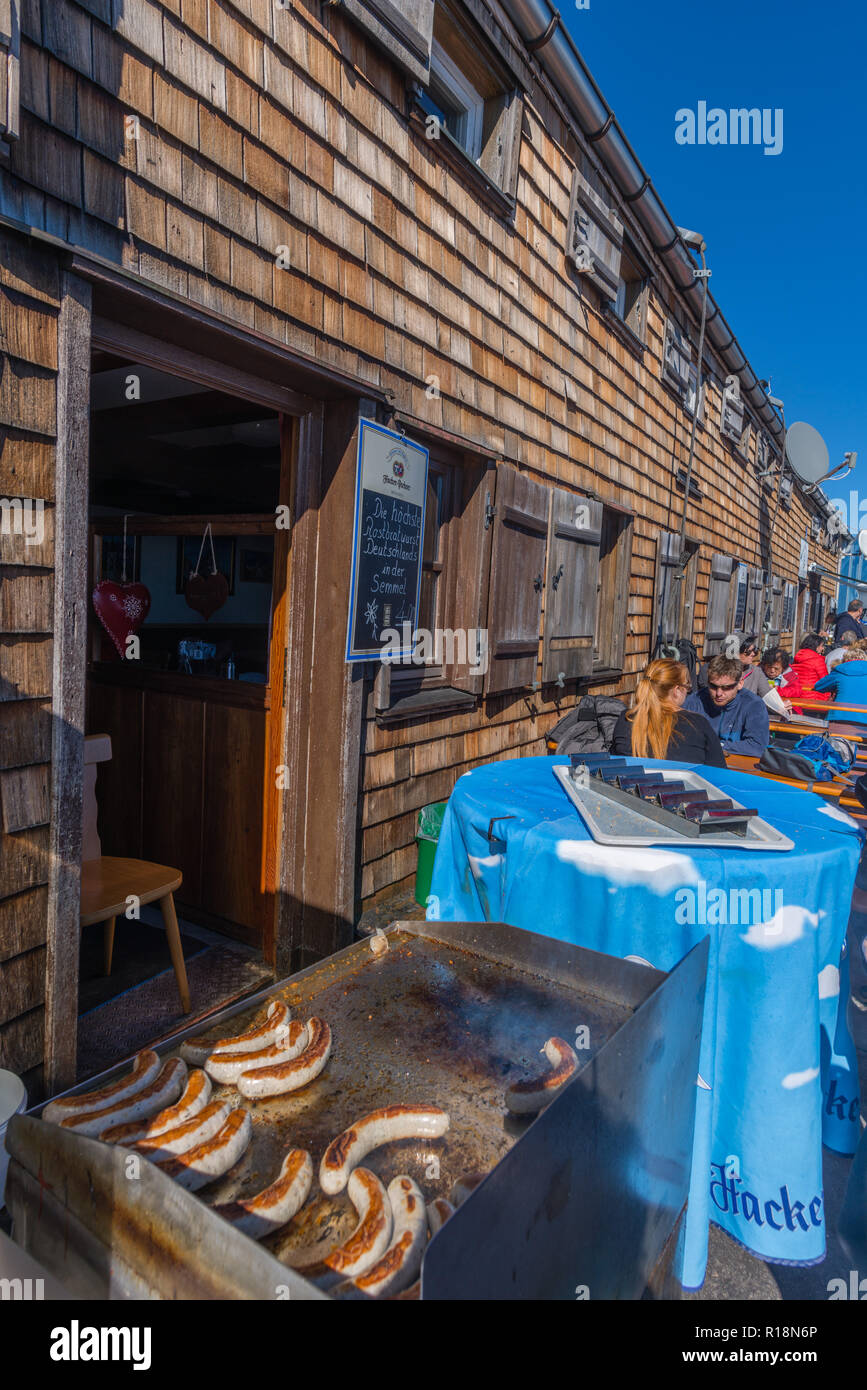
{"x": 77, "y": 1343}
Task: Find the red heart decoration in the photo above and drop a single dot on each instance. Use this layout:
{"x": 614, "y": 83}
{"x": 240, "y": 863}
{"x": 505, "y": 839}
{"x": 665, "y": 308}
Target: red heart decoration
{"x": 121, "y": 608}
{"x": 205, "y": 593}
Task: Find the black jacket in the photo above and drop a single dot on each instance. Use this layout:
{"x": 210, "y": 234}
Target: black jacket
{"x": 589, "y": 727}
{"x": 846, "y": 623}
{"x": 693, "y": 740}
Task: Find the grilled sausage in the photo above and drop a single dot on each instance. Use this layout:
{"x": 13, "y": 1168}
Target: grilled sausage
{"x": 144, "y": 1071}
{"x": 194, "y": 1099}
{"x": 438, "y": 1213}
{"x": 226, "y": 1067}
{"x": 155, "y": 1097}
{"x": 275, "y": 1205}
{"x": 271, "y": 1030}
{"x": 528, "y": 1097}
{"x": 276, "y": 1080}
{"x": 398, "y": 1267}
{"x": 371, "y": 1236}
{"x": 209, "y": 1160}
{"x": 463, "y": 1187}
{"x": 196, "y": 1130}
{"x": 379, "y": 1127}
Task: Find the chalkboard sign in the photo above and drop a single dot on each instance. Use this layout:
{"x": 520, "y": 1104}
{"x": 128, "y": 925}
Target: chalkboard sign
{"x": 390, "y": 493}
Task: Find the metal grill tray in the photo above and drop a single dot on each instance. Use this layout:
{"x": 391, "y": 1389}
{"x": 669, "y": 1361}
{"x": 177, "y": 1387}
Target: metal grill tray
{"x": 450, "y": 1015}
{"x": 613, "y": 824}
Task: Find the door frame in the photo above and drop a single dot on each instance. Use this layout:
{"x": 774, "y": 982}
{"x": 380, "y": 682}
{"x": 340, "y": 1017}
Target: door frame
{"x": 103, "y": 309}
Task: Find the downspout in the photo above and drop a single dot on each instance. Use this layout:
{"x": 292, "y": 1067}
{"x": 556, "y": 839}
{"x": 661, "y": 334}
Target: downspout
{"x": 541, "y": 27}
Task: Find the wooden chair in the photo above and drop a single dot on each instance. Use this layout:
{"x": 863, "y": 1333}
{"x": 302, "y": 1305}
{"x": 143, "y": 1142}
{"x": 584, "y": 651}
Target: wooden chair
{"x": 107, "y": 882}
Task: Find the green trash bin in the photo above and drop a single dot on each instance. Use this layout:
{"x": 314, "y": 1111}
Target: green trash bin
{"x": 430, "y": 823}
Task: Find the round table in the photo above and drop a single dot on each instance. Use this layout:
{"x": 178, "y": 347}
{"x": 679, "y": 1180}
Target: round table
{"x": 777, "y": 1074}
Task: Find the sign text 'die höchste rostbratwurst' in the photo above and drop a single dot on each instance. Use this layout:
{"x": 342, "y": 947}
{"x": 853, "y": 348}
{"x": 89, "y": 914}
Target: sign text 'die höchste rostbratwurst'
{"x": 391, "y": 488}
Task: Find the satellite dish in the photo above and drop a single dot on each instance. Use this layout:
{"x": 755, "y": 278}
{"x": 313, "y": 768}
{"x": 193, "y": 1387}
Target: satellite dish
{"x": 862, "y": 542}
{"x": 807, "y": 452}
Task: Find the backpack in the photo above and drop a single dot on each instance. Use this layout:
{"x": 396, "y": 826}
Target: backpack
{"x": 683, "y": 651}
{"x": 812, "y": 759}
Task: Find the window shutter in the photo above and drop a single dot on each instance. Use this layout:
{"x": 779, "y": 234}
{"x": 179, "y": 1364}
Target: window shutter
{"x": 718, "y": 602}
{"x": 677, "y": 359}
{"x": 732, "y": 419}
{"x": 595, "y": 231}
{"x": 10, "y": 47}
{"x": 574, "y": 535}
{"x": 404, "y": 30}
{"x": 517, "y": 580}
{"x": 469, "y": 559}
{"x": 803, "y": 560}
{"x": 669, "y": 582}
{"x": 620, "y": 617}
{"x": 755, "y": 602}
{"x": 776, "y": 608}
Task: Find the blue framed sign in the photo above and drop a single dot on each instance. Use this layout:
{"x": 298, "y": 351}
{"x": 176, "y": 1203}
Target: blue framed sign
{"x": 387, "y": 538}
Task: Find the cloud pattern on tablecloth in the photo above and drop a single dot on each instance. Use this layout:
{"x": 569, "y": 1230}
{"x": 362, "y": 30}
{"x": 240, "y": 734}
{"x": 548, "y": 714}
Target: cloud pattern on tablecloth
{"x": 787, "y": 925}
{"x": 660, "y": 871}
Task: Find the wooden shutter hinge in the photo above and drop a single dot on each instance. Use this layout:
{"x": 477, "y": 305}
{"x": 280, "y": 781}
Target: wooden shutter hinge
{"x": 490, "y": 511}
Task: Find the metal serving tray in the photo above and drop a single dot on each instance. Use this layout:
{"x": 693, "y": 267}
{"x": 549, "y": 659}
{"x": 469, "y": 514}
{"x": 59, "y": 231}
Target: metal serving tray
{"x": 611, "y": 823}
{"x": 450, "y": 1015}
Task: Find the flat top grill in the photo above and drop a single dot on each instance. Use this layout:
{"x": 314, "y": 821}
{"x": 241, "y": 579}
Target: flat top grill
{"x": 450, "y": 1015}
{"x": 425, "y": 1022}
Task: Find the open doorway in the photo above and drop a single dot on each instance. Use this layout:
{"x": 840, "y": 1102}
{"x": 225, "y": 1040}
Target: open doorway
{"x": 188, "y": 552}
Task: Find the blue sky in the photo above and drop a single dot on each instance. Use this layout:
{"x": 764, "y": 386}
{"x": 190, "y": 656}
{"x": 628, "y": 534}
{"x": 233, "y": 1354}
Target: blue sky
{"x": 785, "y": 233}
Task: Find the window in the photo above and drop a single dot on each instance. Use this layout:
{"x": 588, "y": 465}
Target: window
{"x": 588, "y": 564}
{"x": 676, "y": 574}
{"x": 742, "y": 598}
{"x": 615, "y": 565}
{"x": 472, "y": 97}
{"x": 10, "y": 47}
{"x": 732, "y": 416}
{"x": 630, "y": 301}
{"x": 595, "y": 232}
{"x": 456, "y": 104}
{"x": 677, "y": 358}
{"x": 789, "y": 596}
{"x": 689, "y": 398}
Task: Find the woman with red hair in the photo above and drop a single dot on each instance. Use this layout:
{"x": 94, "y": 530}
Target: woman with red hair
{"x": 657, "y": 727}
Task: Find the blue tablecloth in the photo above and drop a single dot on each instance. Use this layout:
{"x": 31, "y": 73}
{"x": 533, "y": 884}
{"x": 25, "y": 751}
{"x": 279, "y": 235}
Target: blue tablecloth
{"x": 778, "y": 1074}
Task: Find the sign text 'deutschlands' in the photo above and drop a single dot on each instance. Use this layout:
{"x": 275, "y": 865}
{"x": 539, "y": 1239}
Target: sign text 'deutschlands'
{"x": 390, "y": 492}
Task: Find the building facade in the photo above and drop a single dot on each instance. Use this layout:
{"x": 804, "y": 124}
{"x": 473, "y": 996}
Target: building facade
{"x": 336, "y": 211}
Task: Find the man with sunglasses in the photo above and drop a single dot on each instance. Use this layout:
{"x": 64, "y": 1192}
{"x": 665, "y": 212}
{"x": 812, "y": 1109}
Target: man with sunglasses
{"x": 738, "y": 717}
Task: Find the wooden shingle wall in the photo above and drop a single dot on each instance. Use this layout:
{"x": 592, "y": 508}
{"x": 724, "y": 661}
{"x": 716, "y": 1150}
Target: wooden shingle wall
{"x": 259, "y": 159}
{"x": 29, "y": 305}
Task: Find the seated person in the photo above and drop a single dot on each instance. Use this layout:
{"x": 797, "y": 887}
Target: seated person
{"x": 658, "y": 726}
{"x": 808, "y": 667}
{"x": 738, "y": 717}
{"x": 833, "y": 658}
{"x": 760, "y": 679}
{"x": 848, "y": 681}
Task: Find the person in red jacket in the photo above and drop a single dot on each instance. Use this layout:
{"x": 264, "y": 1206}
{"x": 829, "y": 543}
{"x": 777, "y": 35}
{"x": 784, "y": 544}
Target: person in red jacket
{"x": 808, "y": 666}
